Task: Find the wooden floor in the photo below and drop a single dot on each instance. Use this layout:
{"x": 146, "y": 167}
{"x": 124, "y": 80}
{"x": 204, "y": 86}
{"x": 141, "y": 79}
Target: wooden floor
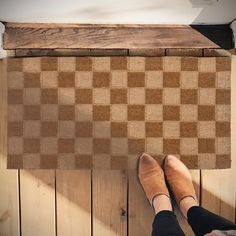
{"x": 98, "y": 203}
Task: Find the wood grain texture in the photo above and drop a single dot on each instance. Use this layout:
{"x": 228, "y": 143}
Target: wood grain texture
{"x": 157, "y": 52}
{"x": 109, "y": 199}
{"x": 9, "y": 189}
{"x": 37, "y": 202}
{"x": 141, "y": 214}
{"x": 217, "y": 52}
{"x": 73, "y": 203}
{"x": 43, "y": 36}
{"x": 187, "y": 52}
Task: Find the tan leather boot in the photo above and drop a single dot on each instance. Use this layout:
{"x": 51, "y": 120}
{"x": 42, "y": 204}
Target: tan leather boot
{"x": 178, "y": 178}
{"x": 151, "y": 177}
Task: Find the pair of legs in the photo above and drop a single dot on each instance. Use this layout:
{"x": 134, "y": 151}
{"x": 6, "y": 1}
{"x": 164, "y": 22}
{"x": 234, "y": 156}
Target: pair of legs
{"x": 177, "y": 176}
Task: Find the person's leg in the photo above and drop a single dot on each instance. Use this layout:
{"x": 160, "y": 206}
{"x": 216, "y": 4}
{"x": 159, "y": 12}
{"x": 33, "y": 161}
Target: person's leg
{"x": 152, "y": 179}
{"x": 166, "y": 224}
{"x": 201, "y": 220}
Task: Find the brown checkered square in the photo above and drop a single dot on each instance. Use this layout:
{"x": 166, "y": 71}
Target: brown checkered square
{"x": 15, "y": 128}
{"x": 119, "y": 129}
{"x": 31, "y": 112}
{"x": 206, "y": 80}
{"x": 171, "y": 112}
{"x": 31, "y": 145}
{"x": 101, "y": 145}
{"x": 189, "y": 64}
{"x": 48, "y": 161}
{"x": 118, "y": 96}
{"x": 66, "y": 145}
{"x": 223, "y": 64}
{"x": 222, "y": 129}
{"x": 49, "y": 96}
{"x": 222, "y": 96}
{"x": 83, "y": 96}
{"x": 136, "y": 79}
{"x": 101, "y": 79}
{"x": 154, "y": 129}
{"x": 31, "y": 80}
{"x": 84, "y": 129}
{"x": 66, "y": 112}
{"x": 154, "y": 96}
{"x": 66, "y": 79}
{"x": 84, "y": 161}
{"x": 83, "y": 64}
{"x": 206, "y": 112}
{"x": 188, "y": 129}
{"x": 136, "y": 146}
{"x": 171, "y": 146}
{"x": 136, "y": 112}
{"x": 171, "y": 79}
{"x": 15, "y": 96}
{"x": 118, "y": 63}
{"x": 49, "y": 64}
{"x": 119, "y": 162}
{"x": 15, "y": 64}
{"x": 206, "y": 145}
{"x": 152, "y": 63}
{"x": 189, "y": 96}
{"x": 49, "y": 129}
{"x": 103, "y": 112}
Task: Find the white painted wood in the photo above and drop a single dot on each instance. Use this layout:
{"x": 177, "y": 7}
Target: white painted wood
{"x": 3, "y": 53}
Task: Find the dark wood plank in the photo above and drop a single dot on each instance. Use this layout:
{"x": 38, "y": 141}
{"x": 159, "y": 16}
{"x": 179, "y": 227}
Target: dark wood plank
{"x": 187, "y": 52}
{"x": 52, "y": 36}
{"x": 70, "y": 52}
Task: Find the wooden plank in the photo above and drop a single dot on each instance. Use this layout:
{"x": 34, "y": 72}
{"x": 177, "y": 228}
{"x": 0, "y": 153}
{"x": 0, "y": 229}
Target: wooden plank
{"x": 141, "y": 214}
{"x": 52, "y": 36}
{"x": 187, "y": 52}
{"x": 9, "y": 191}
{"x": 73, "y": 202}
{"x": 70, "y": 52}
{"x": 158, "y": 52}
{"x": 109, "y": 198}
{"x": 216, "y": 52}
{"x": 218, "y": 186}
{"x": 37, "y": 202}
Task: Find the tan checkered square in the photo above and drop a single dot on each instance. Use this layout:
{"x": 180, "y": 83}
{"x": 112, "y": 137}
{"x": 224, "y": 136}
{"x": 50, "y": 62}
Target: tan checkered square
{"x": 103, "y": 112}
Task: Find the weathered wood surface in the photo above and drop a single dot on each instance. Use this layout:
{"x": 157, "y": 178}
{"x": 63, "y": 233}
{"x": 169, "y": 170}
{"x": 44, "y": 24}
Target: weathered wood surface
{"x": 73, "y": 202}
{"x": 37, "y": 194}
{"x": 109, "y": 203}
{"x": 9, "y": 189}
{"x": 25, "y": 36}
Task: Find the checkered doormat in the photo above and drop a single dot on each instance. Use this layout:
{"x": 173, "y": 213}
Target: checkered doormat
{"x": 103, "y": 112}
